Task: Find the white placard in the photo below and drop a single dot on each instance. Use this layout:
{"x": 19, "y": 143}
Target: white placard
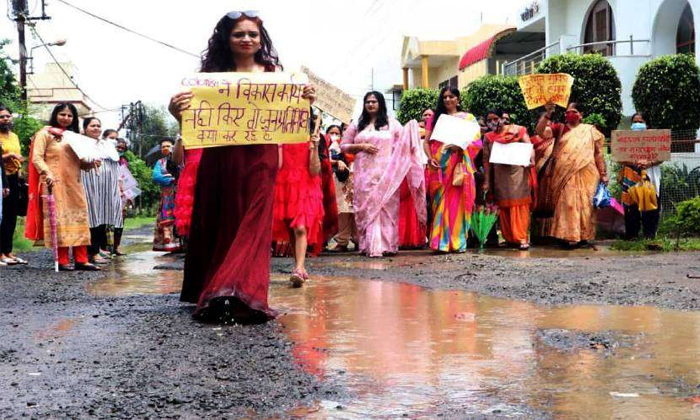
{"x": 454, "y": 131}
{"x": 518, "y": 154}
{"x": 88, "y": 149}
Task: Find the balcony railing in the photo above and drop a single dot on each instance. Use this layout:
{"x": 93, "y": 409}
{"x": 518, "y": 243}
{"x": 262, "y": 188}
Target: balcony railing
{"x": 528, "y": 63}
{"x": 623, "y": 48}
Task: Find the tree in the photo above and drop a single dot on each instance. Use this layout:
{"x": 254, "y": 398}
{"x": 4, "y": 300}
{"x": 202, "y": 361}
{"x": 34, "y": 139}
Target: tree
{"x": 9, "y": 89}
{"x": 596, "y": 89}
{"x": 157, "y": 123}
{"x": 667, "y": 90}
{"x": 25, "y": 126}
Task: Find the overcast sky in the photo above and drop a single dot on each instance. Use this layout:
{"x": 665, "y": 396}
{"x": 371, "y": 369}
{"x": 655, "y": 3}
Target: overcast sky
{"x": 340, "y": 40}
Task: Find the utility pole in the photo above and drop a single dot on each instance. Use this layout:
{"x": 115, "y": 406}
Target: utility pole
{"x": 20, "y": 10}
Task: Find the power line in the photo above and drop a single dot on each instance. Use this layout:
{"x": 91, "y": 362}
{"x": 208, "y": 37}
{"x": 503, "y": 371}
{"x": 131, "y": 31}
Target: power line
{"x": 65, "y": 73}
{"x": 129, "y": 30}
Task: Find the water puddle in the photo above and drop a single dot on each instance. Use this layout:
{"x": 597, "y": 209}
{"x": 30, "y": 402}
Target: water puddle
{"x": 136, "y": 275}
{"x": 407, "y": 351}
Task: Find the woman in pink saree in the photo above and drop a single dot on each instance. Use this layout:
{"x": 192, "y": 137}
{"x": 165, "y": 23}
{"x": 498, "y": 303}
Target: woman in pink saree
{"x": 385, "y": 154}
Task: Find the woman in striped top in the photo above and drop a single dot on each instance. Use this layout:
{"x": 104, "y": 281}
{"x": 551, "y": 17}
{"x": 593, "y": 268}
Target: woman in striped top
{"x": 102, "y": 193}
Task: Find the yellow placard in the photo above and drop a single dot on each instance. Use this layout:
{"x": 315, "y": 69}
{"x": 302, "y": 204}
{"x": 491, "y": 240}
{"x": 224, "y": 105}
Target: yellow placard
{"x": 234, "y": 109}
{"x": 538, "y": 89}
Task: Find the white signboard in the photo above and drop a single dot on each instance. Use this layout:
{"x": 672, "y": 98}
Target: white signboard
{"x": 518, "y": 154}
{"x": 453, "y": 131}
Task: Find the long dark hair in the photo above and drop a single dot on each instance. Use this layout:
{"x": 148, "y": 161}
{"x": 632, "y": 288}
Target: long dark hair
{"x": 382, "y": 117}
{"x": 53, "y": 122}
{"x": 88, "y": 120}
{"x": 440, "y": 108}
{"x": 218, "y": 56}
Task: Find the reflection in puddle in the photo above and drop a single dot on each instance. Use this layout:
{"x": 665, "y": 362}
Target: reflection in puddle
{"x": 135, "y": 275}
{"x": 406, "y": 350}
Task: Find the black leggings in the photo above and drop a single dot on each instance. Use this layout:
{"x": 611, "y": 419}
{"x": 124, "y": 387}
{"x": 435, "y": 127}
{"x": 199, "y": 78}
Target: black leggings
{"x": 98, "y": 239}
{"x": 10, "y": 207}
{"x": 634, "y": 219}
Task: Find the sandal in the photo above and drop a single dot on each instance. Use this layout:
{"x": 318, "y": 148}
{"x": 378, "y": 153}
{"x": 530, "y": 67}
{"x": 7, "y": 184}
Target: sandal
{"x": 87, "y": 267}
{"x": 524, "y": 247}
{"x": 297, "y": 278}
{"x": 19, "y": 260}
{"x": 8, "y": 261}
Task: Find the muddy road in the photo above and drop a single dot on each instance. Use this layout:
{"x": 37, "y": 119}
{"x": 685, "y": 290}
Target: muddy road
{"x": 496, "y": 335}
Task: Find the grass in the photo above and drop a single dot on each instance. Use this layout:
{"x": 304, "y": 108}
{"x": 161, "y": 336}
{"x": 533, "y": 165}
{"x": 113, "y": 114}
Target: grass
{"x": 663, "y": 244}
{"x": 138, "y": 222}
{"x": 22, "y": 244}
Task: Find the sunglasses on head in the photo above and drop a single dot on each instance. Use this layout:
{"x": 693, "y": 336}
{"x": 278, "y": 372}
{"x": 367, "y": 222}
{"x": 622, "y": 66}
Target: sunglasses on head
{"x": 248, "y": 13}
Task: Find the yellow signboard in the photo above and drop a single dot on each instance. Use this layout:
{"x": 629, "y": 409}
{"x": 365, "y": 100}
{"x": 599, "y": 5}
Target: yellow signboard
{"x": 538, "y": 89}
{"x": 234, "y": 109}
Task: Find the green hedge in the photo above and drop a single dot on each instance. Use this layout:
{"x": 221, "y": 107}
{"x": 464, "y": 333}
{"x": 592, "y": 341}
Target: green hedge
{"x": 414, "y": 102}
{"x": 667, "y": 90}
{"x": 489, "y": 92}
{"x": 596, "y": 89}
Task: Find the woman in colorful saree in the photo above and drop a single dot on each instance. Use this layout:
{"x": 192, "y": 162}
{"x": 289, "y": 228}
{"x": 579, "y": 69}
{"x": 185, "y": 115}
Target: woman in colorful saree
{"x": 450, "y": 180}
{"x": 511, "y": 185}
{"x": 573, "y": 175}
{"x": 166, "y": 173}
{"x": 385, "y": 154}
{"x": 227, "y": 267}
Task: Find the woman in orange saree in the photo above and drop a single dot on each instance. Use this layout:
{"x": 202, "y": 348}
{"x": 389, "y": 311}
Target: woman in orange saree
{"x": 573, "y": 176}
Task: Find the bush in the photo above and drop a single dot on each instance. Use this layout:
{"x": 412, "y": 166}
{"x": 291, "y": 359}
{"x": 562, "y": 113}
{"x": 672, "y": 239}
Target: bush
{"x": 25, "y": 127}
{"x": 678, "y": 183}
{"x": 667, "y": 89}
{"x": 489, "y": 92}
{"x": 595, "y": 119}
{"x": 596, "y": 88}
{"x": 688, "y": 217}
{"x": 414, "y": 102}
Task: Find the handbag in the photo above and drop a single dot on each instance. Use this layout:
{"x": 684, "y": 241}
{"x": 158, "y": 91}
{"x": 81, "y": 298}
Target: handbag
{"x": 23, "y": 198}
{"x": 601, "y": 199}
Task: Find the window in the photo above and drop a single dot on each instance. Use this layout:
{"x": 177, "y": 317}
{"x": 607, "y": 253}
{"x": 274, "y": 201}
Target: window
{"x": 685, "y": 36}
{"x": 449, "y": 82}
{"x": 600, "y": 27}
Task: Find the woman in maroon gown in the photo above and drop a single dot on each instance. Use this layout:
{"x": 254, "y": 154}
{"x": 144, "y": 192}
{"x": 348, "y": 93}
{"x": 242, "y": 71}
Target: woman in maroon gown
{"x": 227, "y": 267}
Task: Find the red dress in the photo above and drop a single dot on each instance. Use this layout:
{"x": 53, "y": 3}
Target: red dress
{"x": 298, "y": 197}
{"x": 227, "y": 267}
{"x": 330, "y": 205}
{"x": 184, "y": 199}
{"x": 411, "y": 233}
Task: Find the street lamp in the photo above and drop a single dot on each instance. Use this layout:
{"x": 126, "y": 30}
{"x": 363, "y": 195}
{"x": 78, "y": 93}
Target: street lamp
{"x": 59, "y": 43}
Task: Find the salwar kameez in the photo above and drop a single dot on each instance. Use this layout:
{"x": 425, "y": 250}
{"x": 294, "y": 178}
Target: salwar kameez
{"x": 52, "y": 156}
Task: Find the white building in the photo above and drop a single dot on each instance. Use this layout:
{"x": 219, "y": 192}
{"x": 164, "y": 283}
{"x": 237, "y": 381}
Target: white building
{"x": 628, "y": 32}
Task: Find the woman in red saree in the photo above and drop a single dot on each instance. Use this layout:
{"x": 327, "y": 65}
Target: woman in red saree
{"x": 227, "y": 267}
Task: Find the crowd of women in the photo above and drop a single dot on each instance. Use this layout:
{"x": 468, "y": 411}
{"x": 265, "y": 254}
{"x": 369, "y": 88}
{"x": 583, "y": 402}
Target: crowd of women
{"x": 87, "y": 208}
{"x": 374, "y": 185}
